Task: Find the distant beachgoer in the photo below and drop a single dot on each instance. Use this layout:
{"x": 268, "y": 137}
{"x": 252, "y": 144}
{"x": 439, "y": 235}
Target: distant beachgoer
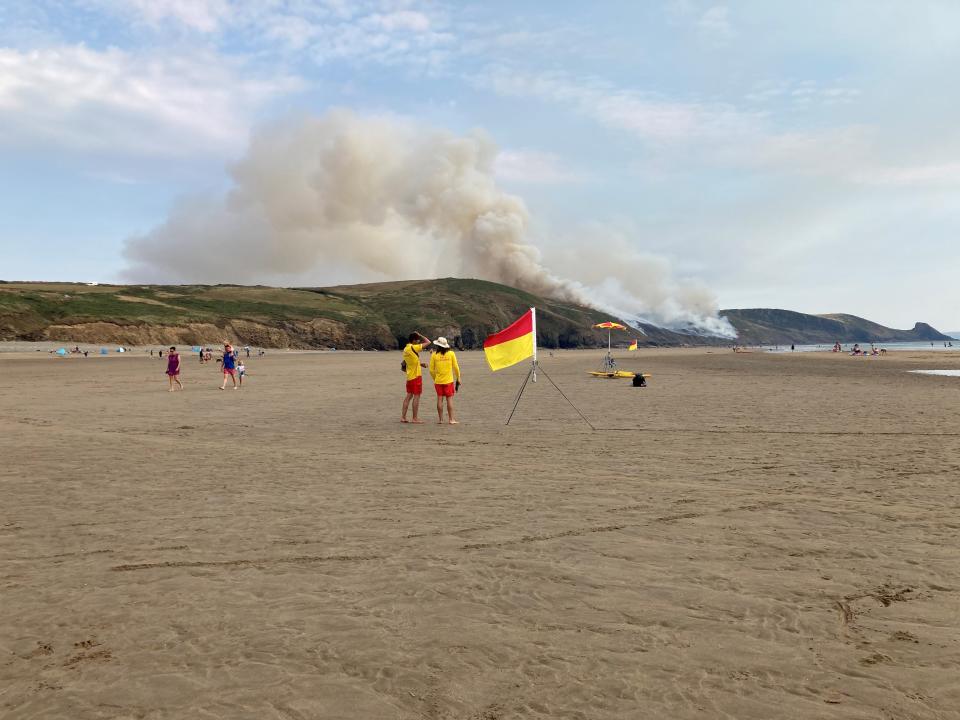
{"x": 411, "y": 366}
{"x": 792, "y": 347}
{"x": 229, "y": 366}
{"x": 151, "y": 352}
{"x": 247, "y": 348}
{"x": 173, "y": 368}
{"x": 161, "y": 353}
{"x": 445, "y": 372}
{"x": 241, "y": 371}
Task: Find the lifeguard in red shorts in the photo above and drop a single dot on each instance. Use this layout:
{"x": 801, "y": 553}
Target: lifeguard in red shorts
{"x": 412, "y": 366}
{"x": 445, "y": 372}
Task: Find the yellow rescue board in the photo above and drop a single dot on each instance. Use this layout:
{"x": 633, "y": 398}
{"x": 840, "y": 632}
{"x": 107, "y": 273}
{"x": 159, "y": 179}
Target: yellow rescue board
{"x": 617, "y": 374}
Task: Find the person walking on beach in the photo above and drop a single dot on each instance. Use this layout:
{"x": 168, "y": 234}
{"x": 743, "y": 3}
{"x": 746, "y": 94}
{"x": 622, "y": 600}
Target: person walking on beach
{"x": 229, "y": 366}
{"x": 173, "y": 368}
{"x": 411, "y": 365}
{"x": 241, "y": 371}
{"x": 445, "y": 372}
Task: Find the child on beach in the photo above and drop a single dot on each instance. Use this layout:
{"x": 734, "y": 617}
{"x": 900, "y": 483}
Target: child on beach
{"x": 173, "y": 368}
{"x": 445, "y": 372}
{"x": 241, "y": 371}
{"x": 229, "y": 366}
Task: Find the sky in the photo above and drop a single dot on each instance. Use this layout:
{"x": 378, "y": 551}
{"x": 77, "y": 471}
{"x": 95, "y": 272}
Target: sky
{"x": 794, "y": 155}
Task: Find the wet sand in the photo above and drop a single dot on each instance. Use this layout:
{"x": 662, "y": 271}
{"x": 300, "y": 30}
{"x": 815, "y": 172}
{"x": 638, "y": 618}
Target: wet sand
{"x": 752, "y": 536}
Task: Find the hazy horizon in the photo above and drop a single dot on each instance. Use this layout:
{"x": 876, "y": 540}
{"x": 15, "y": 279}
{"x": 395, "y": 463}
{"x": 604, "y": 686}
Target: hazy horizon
{"x": 675, "y": 156}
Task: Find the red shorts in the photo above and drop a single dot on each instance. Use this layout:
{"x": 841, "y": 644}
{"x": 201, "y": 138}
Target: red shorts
{"x": 230, "y": 372}
{"x": 415, "y": 386}
{"x": 445, "y": 390}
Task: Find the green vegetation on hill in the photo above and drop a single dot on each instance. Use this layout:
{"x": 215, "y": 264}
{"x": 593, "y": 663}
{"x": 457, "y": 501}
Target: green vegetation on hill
{"x": 373, "y": 316}
{"x": 762, "y": 326}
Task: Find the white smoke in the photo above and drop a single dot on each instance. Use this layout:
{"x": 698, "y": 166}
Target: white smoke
{"x": 348, "y": 197}
{"x": 635, "y": 285}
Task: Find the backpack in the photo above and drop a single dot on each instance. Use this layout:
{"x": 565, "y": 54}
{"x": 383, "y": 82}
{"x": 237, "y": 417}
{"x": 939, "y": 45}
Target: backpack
{"x": 403, "y": 365}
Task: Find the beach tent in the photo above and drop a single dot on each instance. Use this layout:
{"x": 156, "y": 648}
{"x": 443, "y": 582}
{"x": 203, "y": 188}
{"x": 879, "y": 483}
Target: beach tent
{"x": 120, "y": 349}
{"x": 62, "y": 352}
{"x": 103, "y": 351}
{"x": 196, "y": 348}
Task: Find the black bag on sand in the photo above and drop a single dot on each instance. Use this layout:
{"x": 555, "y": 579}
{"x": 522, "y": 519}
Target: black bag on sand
{"x": 639, "y": 380}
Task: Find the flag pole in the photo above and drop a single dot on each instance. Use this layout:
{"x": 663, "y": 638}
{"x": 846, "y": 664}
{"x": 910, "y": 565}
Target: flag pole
{"x": 533, "y": 313}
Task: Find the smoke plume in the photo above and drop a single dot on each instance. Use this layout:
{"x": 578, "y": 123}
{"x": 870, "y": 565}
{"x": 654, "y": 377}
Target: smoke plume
{"x": 349, "y": 198}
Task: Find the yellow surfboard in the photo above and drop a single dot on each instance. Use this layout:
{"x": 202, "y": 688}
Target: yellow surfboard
{"x": 616, "y": 374}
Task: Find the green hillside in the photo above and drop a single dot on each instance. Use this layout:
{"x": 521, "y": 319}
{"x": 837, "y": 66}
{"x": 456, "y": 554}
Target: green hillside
{"x": 763, "y": 326}
{"x": 373, "y": 316}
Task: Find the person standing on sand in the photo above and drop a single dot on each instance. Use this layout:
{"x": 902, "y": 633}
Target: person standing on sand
{"x": 445, "y": 372}
{"x": 241, "y": 371}
{"x": 173, "y": 368}
{"x": 229, "y": 366}
{"x": 411, "y": 365}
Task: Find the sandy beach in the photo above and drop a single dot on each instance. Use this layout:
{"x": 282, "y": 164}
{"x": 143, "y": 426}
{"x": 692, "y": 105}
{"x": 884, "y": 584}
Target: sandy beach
{"x": 752, "y": 536}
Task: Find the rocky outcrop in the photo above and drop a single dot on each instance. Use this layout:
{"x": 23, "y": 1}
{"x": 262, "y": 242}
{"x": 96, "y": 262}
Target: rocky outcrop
{"x": 317, "y": 333}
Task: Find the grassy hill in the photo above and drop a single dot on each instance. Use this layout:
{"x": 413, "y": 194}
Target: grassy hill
{"x": 762, "y": 326}
{"x": 372, "y": 316}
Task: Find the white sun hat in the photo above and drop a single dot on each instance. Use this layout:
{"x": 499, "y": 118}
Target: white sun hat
{"x": 442, "y": 342}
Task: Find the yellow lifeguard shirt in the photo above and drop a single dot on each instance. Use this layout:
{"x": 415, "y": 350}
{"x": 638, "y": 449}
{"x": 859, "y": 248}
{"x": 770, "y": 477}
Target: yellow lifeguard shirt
{"x": 412, "y": 360}
{"x": 444, "y": 368}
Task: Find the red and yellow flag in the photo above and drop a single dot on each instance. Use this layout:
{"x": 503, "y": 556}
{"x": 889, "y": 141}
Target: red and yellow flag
{"x": 633, "y": 345}
{"x": 512, "y": 344}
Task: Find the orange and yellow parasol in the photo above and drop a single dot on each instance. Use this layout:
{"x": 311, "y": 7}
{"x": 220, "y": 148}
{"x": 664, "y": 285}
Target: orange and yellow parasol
{"x": 609, "y": 327}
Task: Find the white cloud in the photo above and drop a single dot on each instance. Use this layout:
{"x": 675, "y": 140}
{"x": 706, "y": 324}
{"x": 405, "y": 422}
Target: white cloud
{"x": 649, "y": 117}
{"x": 935, "y": 174}
{"x": 115, "y": 101}
{"x": 399, "y": 20}
{"x": 362, "y": 30}
{"x": 205, "y": 16}
{"x": 727, "y": 136}
{"x": 290, "y": 31}
{"x": 856, "y": 155}
{"x": 532, "y": 167}
{"x": 805, "y": 94}
{"x": 714, "y": 25}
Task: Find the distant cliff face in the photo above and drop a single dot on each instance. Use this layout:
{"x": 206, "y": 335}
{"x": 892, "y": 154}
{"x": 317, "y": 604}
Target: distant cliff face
{"x": 761, "y": 326}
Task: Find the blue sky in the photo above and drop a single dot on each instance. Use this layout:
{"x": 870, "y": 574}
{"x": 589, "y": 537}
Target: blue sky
{"x": 799, "y": 155}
